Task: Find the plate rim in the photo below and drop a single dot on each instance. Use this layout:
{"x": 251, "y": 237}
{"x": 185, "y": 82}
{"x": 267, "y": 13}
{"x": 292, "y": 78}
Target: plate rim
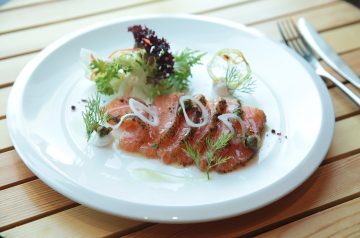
{"x": 188, "y": 214}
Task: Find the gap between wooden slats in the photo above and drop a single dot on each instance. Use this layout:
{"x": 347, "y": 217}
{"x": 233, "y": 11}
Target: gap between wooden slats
{"x": 312, "y": 193}
{"x": 13, "y": 170}
{"x": 331, "y": 185}
{"x": 76, "y": 9}
{"x": 340, "y": 221}
{"x": 14, "y": 45}
{"x": 11, "y": 67}
{"x": 16, "y": 4}
{"x": 38, "y": 15}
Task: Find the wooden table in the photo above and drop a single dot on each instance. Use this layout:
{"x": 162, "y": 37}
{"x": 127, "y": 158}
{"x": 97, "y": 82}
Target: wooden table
{"x": 326, "y": 204}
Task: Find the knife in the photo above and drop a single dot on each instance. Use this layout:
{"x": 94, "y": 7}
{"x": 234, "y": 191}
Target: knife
{"x": 326, "y": 52}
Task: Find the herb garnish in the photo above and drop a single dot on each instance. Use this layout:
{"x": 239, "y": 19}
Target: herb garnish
{"x": 95, "y": 117}
{"x": 179, "y": 79}
{"x": 149, "y": 66}
{"x": 246, "y": 84}
{"x": 212, "y": 146}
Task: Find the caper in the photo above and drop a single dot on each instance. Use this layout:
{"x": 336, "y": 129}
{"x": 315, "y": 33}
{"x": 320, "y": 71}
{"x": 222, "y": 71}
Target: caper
{"x": 252, "y": 142}
{"x": 103, "y": 131}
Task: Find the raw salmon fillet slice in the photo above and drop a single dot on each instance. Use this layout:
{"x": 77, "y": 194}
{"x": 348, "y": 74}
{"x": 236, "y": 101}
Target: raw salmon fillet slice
{"x": 166, "y": 141}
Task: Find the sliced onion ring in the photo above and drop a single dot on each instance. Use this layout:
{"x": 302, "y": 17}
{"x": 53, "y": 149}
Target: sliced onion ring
{"x": 136, "y": 105}
{"x": 204, "y": 112}
{"x": 122, "y": 119}
{"x": 225, "y": 119}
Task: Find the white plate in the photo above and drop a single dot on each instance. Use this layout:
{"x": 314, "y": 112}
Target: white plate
{"x": 50, "y": 137}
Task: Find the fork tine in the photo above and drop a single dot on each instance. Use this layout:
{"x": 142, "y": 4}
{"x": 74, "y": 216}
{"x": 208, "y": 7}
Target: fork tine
{"x": 297, "y": 39}
{"x": 290, "y": 36}
{"x": 280, "y": 28}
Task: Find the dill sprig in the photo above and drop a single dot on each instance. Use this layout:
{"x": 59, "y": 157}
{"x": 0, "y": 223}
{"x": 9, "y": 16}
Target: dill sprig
{"x": 245, "y": 83}
{"x": 212, "y": 146}
{"x": 94, "y": 115}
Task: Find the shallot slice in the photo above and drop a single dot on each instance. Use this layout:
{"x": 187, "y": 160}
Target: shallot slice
{"x": 204, "y": 111}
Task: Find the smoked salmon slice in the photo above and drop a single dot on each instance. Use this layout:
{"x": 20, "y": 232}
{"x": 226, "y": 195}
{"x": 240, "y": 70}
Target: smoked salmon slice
{"x": 166, "y": 141}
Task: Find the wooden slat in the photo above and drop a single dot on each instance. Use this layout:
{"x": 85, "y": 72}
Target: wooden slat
{"x": 13, "y": 4}
{"x": 265, "y": 10}
{"x": 342, "y": 13}
{"x": 13, "y": 170}
{"x": 38, "y": 15}
{"x": 4, "y": 93}
{"x": 343, "y": 106}
{"x": 14, "y": 43}
{"x": 5, "y": 141}
{"x": 29, "y": 201}
{"x": 343, "y": 39}
{"x": 76, "y": 222}
{"x": 331, "y": 183}
{"x": 10, "y": 68}
{"x": 346, "y": 137}
{"x": 340, "y": 221}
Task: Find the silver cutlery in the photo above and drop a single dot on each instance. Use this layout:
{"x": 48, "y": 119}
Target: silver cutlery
{"x": 321, "y": 47}
{"x": 291, "y": 36}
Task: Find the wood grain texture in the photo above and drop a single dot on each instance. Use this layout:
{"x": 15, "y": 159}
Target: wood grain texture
{"x": 260, "y": 11}
{"x": 4, "y": 94}
{"x": 76, "y": 222}
{"x": 342, "y": 13}
{"x": 339, "y": 221}
{"x": 329, "y": 185}
{"x": 13, "y": 170}
{"x": 343, "y": 39}
{"x": 343, "y": 106}
{"x": 29, "y": 201}
{"x": 15, "y": 45}
{"x": 346, "y": 138}
{"x": 10, "y": 68}
{"x": 5, "y": 141}
{"x": 38, "y": 15}
{"x": 14, "y": 4}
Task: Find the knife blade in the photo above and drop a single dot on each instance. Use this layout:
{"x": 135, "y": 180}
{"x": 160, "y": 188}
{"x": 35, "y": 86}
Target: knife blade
{"x": 323, "y": 49}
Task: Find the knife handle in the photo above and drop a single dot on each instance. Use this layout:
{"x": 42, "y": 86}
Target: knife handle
{"x": 322, "y": 72}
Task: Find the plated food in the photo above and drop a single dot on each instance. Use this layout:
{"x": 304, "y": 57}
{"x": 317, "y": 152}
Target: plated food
{"x": 128, "y": 184}
{"x": 151, "y": 113}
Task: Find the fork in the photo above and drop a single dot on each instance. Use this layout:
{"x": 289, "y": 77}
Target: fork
{"x": 292, "y": 38}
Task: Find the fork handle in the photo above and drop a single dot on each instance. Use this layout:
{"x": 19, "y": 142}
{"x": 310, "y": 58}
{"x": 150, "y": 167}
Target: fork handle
{"x": 322, "y": 72}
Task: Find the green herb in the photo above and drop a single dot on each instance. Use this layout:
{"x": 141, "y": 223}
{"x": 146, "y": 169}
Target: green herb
{"x": 212, "y": 147}
{"x": 107, "y": 75}
{"x": 245, "y": 83}
{"x": 179, "y": 79}
{"x": 94, "y": 116}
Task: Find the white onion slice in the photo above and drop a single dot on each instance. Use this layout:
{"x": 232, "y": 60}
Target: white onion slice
{"x": 138, "y": 108}
{"x": 225, "y": 119}
{"x": 86, "y": 58}
{"x": 204, "y": 112}
{"x": 122, "y": 119}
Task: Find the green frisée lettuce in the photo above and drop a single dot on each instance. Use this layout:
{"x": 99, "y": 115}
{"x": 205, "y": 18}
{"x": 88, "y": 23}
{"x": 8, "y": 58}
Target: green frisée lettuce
{"x": 149, "y": 69}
